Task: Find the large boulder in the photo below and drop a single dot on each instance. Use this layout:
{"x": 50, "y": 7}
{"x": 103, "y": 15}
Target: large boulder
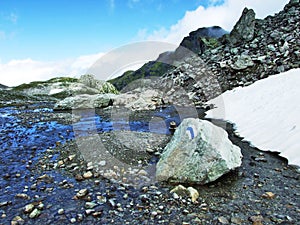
{"x": 138, "y": 100}
{"x": 242, "y": 62}
{"x": 199, "y": 152}
{"x": 85, "y": 101}
{"x": 102, "y": 86}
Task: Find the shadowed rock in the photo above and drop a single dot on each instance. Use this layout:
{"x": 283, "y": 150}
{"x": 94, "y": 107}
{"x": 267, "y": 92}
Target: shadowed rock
{"x": 244, "y": 28}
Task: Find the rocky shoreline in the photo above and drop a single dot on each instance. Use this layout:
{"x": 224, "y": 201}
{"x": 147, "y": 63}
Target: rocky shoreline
{"x": 53, "y": 173}
{"x": 59, "y": 187}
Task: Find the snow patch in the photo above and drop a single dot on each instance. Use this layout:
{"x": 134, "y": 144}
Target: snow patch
{"x": 265, "y": 113}
{"x": 55, "y": 91}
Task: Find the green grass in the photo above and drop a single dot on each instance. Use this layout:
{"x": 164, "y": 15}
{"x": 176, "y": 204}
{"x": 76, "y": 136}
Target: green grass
{"x": 150, "y": 69}
{"x": 36, "y": 84}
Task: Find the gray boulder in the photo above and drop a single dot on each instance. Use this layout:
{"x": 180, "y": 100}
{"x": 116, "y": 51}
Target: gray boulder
{"x": 138, "y": 100}
{"x": 199, "y": 152}
{"x": 102, "y": 86}
{"x": 85, "y": 101}
{"x": 244, "y": 28}
{"x": 242, "y": 62}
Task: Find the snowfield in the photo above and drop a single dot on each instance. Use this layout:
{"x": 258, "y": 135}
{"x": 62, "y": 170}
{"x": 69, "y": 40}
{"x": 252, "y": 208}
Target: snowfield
{"x": 266, "y": 113}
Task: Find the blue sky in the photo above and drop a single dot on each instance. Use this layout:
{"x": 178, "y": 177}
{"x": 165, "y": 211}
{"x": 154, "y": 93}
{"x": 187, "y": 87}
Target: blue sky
{"x": 43, "y": 39}
{"x": 56, "y": 29}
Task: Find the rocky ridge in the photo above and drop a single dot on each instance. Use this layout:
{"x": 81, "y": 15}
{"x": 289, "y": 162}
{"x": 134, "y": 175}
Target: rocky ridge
{"x": 62, "y": 87}
{"x": 197, "y": 41}
{"x": 255, "y": 49}
{"x": 3, "y": 86}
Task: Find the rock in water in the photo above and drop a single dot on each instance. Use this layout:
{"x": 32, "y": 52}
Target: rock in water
{"x": 199, "y": 152}
{"x": 244, "y": 28}
{"x": 85, "y": 102}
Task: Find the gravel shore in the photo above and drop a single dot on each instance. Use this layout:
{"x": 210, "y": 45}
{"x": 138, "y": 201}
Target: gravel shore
{"x": 54, "y": 184}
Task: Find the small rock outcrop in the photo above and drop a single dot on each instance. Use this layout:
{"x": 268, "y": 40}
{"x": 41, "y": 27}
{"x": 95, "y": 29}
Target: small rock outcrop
{"x": 244, "y": 28}
{"x": 85, "y": 101}
{"x": 62, "y": 87}
{"x": 199, "y": 152}
{"x": 103, "y": 87}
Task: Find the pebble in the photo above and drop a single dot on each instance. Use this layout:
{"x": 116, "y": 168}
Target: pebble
{"x": 102, "y": 163}
{"x": 81, "y": 193}
{"x": 71, "y": 157}
{"x": 223, "y": 220}
{"x": 143, "y": 173}
{"x": 79, "y": 217}
{"x": 256, "y": 220}
{"x": 194, "y": 194}
{"x": 88, "y": 175}
{"x": 33, "y": 187}
{"x": 5, "y": 203}
{"x": 79, "y": 177}
{"x": 73, "y": 220}
{"x": 89, "y": 211}
{"x": 90, "y": 205}
{"x": 40, "y": 206}
{"x": 35, "y": 213}
{"x": 23, "y": 196}
{"x": 182, "y": 191}
{"x": 112, "y": 203}
{"x": 268, "y": 195}
{"x": 154, "y": 213}
{"x": 17, "y": 220}
{"x": 61, "y": 211}
{"x": 161, "y": 207}
{"x": 97, "y": 214}
{"x": 236, "y": 220}
{"x": 28, "y": 208}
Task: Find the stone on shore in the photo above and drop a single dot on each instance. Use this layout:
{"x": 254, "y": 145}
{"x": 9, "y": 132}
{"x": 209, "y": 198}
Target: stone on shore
{"x": 183, "y": 191}
{"x": 199, "y": 152}
{"x": 85, "y": 102}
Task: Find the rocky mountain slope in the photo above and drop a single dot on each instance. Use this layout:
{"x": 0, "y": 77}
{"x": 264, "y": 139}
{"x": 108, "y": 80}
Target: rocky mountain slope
{"x": 3, "y": 86}
{"x": 196, "y": 41}
{"x": 253, "y": 50}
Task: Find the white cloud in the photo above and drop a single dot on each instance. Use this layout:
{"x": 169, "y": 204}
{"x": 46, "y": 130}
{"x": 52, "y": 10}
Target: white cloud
{"x": 224, "y": 15}
{"x": 16, "y": 72}
{"x": 26, "y": 70}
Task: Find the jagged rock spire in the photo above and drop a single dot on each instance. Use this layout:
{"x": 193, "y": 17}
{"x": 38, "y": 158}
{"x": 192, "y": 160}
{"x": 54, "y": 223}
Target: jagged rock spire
{"x": 244, "y": 28}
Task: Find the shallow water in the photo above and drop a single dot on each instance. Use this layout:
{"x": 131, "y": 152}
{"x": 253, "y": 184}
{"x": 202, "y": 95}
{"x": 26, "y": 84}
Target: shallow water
{"x": 25, "y": 135}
